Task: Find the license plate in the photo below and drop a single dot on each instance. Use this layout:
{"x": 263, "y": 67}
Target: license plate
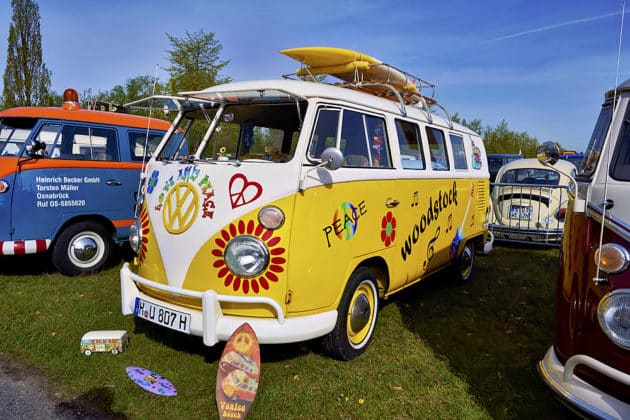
{"x": 169, "y": 318}
{"x": 520, "y": 212}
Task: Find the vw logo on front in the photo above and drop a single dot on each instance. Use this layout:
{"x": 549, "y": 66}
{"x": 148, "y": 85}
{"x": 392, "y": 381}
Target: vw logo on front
{"x": 181, "y": 206}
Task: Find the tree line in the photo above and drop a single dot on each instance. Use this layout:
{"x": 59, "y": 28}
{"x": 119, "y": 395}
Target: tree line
{"x": 195, "y": 62}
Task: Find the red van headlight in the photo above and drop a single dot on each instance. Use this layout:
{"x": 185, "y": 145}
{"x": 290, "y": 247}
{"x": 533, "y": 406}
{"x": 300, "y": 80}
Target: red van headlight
{"x": 613, "y": 313}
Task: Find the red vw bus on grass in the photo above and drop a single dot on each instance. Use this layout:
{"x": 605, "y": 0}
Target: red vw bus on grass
{"x": 588, "y": 366}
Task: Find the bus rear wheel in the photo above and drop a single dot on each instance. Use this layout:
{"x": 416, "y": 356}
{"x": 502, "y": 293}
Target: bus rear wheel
{"x": 463, "y": 266}
{"x": 356, "y": 317}
{"x": 82, "y": 248}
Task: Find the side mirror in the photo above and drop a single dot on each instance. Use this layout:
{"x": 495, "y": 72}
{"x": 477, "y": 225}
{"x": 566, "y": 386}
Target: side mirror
{"x": 548, "y": 152}
{"x": 332, "y": 158}
{"x": 35, "y": 147}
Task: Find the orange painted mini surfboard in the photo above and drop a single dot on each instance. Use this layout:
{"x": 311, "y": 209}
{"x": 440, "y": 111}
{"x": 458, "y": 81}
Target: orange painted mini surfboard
{"x": 238, "y": 374}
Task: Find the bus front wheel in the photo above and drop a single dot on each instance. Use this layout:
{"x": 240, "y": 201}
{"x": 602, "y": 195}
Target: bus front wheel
{"x": 82, "y": 248}
{"x": 356, "y": 317}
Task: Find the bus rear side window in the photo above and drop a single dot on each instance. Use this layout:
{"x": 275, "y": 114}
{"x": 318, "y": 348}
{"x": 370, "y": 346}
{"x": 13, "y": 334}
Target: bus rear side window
{"x": 459, "y": 153}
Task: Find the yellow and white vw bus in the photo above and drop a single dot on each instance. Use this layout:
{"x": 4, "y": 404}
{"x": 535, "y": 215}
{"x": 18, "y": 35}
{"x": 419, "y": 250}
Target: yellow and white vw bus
{"x": 298, "y": 206}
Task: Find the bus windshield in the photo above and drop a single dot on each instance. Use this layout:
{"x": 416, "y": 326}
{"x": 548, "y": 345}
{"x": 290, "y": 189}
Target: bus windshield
{"x": 252, "y": 131}
{"x": 595, "y": 145}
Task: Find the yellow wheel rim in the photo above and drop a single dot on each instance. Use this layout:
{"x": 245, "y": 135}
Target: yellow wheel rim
{"x": 361, "y": 316}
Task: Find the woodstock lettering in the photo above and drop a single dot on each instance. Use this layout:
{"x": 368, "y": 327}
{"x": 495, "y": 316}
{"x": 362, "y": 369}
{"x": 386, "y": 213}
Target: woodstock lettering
{"x": 437, "y": 205}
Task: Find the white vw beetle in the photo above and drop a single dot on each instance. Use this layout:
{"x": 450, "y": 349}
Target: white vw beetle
{"x": 529, "y": 200}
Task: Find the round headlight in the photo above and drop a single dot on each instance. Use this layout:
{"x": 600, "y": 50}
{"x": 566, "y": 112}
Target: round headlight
{"x": 613, "y": 313}
{"x": 246, "y": 256}
{"x": 4, "y": 186}
{"x": 135, "y": 235}
{"x": 612, "y": 258}
{"x": 271, "y": 217}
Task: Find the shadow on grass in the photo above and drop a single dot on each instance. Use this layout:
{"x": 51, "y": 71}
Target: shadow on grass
{"x": 494, "y": 329}
{"x": 20, "y": 265}
{"x": 37, "y": 264}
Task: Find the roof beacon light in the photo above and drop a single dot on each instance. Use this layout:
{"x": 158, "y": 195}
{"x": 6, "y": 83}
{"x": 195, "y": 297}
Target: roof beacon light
{"x": 70, "y": 100}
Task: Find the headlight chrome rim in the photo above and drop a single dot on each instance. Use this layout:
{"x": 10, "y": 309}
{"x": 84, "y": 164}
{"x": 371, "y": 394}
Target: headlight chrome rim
{"x": 613, "y": 314}
{"x": 271, "y": 217}
{"x": 135, "y": 235}
{"x": 616, "y": 258}
{"x": 246, "y": 256}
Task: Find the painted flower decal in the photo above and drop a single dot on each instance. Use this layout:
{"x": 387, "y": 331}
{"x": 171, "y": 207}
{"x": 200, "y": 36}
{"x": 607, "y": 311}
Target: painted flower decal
{"x": 153, "y": 180}
{"x": 388, "y": 228}
{"x": 145, "y": 226}
{"x": 276, "y": 261}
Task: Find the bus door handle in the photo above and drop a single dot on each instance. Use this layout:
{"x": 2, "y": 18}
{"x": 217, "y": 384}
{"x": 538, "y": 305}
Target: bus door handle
{"x": 113, "y": 182}
{"x": 391, "y": 203}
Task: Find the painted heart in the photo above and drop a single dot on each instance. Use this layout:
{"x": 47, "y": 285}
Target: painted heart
{"x": 243, "y": 191}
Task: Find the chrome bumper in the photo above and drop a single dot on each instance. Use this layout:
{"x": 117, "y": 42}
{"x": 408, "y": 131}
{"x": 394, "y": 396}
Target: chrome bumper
{"x": 210, "y": 322}
{"x": 580, "y": 394}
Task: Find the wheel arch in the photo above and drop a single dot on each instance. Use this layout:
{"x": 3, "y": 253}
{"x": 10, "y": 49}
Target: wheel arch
{"x": 94, "y": 218}
{"x": 379, "y": 267}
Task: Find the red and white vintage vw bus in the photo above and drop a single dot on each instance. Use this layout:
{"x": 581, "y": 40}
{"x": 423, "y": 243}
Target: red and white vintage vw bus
{"x": 588, "y": 366}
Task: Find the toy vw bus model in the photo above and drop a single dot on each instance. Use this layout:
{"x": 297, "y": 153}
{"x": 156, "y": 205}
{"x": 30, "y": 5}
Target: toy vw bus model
{"x": 300, "y": 206}
{"x": 114, "y": 341}
{"x": 588, "y": 365}
{"x": 69, "y": 179}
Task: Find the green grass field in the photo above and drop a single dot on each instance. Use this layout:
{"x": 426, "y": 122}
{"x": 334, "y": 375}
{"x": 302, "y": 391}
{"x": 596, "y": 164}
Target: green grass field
{"x": 440, "y": 350}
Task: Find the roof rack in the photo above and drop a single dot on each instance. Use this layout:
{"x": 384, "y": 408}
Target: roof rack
{"x": 410, "y": 93}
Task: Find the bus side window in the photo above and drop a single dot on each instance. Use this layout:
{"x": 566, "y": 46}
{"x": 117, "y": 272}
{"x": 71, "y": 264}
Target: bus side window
{"x": 621, "y": 159}
{"x": 137, "y": 141}
{"x": 87, "y": 143}
{"x": 437, "y": 149}
{"x": 459, "y": 153}
{"x": 411, "y": 155}
{"x": 49, "y": 134}
{"x": 325, "y": 133}
{"x": 363, "y": 141}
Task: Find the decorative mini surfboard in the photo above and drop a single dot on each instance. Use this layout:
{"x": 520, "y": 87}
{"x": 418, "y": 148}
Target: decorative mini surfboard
{"x": 238, "y": 374}
{"x": 151, "y": 381}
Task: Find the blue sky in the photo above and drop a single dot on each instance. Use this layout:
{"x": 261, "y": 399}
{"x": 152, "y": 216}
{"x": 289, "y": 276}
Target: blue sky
{"x": 543, "y": 66}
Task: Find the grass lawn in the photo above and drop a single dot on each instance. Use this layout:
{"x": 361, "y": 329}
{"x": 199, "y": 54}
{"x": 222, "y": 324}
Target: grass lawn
{"x": 440, "y": 350}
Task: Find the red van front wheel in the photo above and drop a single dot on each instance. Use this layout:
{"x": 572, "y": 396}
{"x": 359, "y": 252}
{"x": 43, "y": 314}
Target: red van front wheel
{"x": 82, "y": 248}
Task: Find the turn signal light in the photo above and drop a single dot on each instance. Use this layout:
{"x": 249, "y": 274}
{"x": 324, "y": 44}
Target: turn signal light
{"x": 612, "y": 258}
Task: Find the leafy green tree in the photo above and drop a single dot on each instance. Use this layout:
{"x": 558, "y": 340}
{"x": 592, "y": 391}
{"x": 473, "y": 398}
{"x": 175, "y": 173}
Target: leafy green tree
{"x": 26, "y": 78}
{"x": 501, "y": 139}
{"x": 135, "y": 88}
{"x": 195, "y": 62}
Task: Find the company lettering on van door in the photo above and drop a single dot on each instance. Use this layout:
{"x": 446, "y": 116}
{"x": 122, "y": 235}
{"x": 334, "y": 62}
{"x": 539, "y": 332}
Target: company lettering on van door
{"x": 58, "y": 191}
{"x": 345, "y": 221}
{"x": 437, "y": 205}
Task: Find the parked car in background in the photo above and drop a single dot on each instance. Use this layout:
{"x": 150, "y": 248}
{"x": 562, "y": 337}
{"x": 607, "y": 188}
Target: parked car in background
{"x": 497, "y": 160}
{"x": 574, "y": 158}
{"x": 529, "y": 201}
{"x": 69, "y": 180}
